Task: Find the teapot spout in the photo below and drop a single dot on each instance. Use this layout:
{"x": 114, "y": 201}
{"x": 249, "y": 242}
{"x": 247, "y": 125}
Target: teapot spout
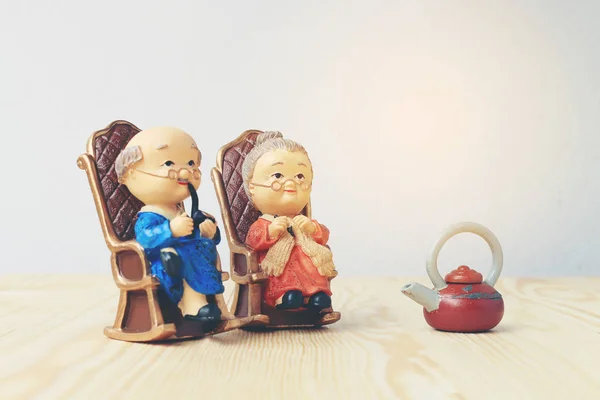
{"x": 426, "y": 297}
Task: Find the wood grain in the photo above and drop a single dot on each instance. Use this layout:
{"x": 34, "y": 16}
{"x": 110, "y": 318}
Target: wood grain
{"x": 547, "y": 347}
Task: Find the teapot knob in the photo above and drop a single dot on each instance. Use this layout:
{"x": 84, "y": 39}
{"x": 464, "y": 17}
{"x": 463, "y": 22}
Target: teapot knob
{"x": 464, "y": 274}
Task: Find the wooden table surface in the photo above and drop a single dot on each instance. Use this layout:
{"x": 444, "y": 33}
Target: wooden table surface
{"x": 547, "y": 347}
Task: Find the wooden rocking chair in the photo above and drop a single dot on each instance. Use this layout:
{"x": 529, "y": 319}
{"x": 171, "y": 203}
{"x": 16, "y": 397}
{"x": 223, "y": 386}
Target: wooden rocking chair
{"x": 238, "y": 215}
{"x": 143, "y": 315}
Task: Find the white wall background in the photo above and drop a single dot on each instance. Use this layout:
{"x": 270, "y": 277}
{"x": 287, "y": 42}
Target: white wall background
{"x": 416, "y": 115}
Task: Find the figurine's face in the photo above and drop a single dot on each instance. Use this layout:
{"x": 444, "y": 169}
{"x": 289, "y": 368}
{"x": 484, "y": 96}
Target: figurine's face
{"x": 281, "y": 182}
{"x": 170, "y": 160}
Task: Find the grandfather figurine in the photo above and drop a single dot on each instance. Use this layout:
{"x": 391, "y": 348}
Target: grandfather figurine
{"x": 160, "y": 166}
{"x": 277, "y": 175}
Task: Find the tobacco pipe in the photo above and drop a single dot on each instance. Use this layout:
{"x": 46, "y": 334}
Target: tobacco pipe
{"x": 171, "y": 261}
{"x": 198, "y": 216}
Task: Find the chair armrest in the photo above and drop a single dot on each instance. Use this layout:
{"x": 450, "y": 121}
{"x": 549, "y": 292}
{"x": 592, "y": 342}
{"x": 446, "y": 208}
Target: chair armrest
{"x": 253, "y": 274}
{"x": 239, "y": 248}
{"x": 130, "y": 266}
{"x": 258, "y": 277}
{"x": 246, "y": 279}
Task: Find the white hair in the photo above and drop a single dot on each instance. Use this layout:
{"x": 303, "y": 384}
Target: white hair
{"x": 266, "y": 142}
{"x": 125, "y": 159}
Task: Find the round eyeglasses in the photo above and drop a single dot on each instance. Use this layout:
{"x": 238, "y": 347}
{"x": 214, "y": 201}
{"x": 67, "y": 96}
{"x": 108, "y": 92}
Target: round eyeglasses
{"x": 278, "y": 185}
{"x": 174, "y": 173}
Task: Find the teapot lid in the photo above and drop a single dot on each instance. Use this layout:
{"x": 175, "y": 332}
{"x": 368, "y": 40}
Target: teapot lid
{"x": 464, "y": 274}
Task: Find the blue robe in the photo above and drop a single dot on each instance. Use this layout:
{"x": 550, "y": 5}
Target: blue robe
{"x": 198, "y": 256}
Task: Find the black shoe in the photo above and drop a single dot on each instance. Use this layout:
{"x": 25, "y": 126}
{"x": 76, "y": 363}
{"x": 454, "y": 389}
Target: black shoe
{"x": 319, "y": 301}
{"x": 209, "y": 315}
{"x": 291, "y": 300}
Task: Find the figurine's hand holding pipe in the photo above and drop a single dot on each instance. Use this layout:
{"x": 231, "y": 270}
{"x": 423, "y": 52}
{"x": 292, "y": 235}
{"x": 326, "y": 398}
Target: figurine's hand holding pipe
{"x": 182, "y": 225}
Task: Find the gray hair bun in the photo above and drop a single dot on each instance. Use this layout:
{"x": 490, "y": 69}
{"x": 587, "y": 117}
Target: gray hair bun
{"x": 269, "y": 135}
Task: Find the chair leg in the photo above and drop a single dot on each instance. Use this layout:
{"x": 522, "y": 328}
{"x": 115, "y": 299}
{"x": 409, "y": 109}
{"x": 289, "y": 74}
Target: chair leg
{"x": 225, "y": 313}
{"x": 139, "y": 318}
{"x": 231, "y": 321}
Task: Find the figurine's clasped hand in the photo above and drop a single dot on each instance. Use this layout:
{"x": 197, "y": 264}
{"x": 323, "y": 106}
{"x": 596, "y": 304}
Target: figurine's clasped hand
{"x": 278, "y": 226}
{"x": 305, "y": 224}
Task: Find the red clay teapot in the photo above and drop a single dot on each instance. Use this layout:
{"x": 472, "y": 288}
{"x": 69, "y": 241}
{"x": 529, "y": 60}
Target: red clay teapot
{"x": 462, "y": 301}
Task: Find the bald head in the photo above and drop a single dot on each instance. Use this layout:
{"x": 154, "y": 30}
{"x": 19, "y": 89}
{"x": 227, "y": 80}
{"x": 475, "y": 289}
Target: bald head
{"x": 162, "y": 139}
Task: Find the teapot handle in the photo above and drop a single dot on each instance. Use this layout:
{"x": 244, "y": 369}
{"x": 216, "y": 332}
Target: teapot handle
{"x": 470, "y": 227}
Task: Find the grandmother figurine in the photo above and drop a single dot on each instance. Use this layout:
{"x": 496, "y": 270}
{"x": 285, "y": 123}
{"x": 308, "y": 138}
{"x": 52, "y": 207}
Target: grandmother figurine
{"x": 160, "y": 166}
{"x": 277, "y": 175}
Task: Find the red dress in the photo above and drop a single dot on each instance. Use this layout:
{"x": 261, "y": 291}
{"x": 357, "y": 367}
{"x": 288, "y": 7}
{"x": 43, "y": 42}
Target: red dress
{"x": 299, "y": 273}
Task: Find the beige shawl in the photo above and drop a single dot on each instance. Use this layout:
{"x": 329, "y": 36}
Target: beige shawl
{"x": 279, "y": 254}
